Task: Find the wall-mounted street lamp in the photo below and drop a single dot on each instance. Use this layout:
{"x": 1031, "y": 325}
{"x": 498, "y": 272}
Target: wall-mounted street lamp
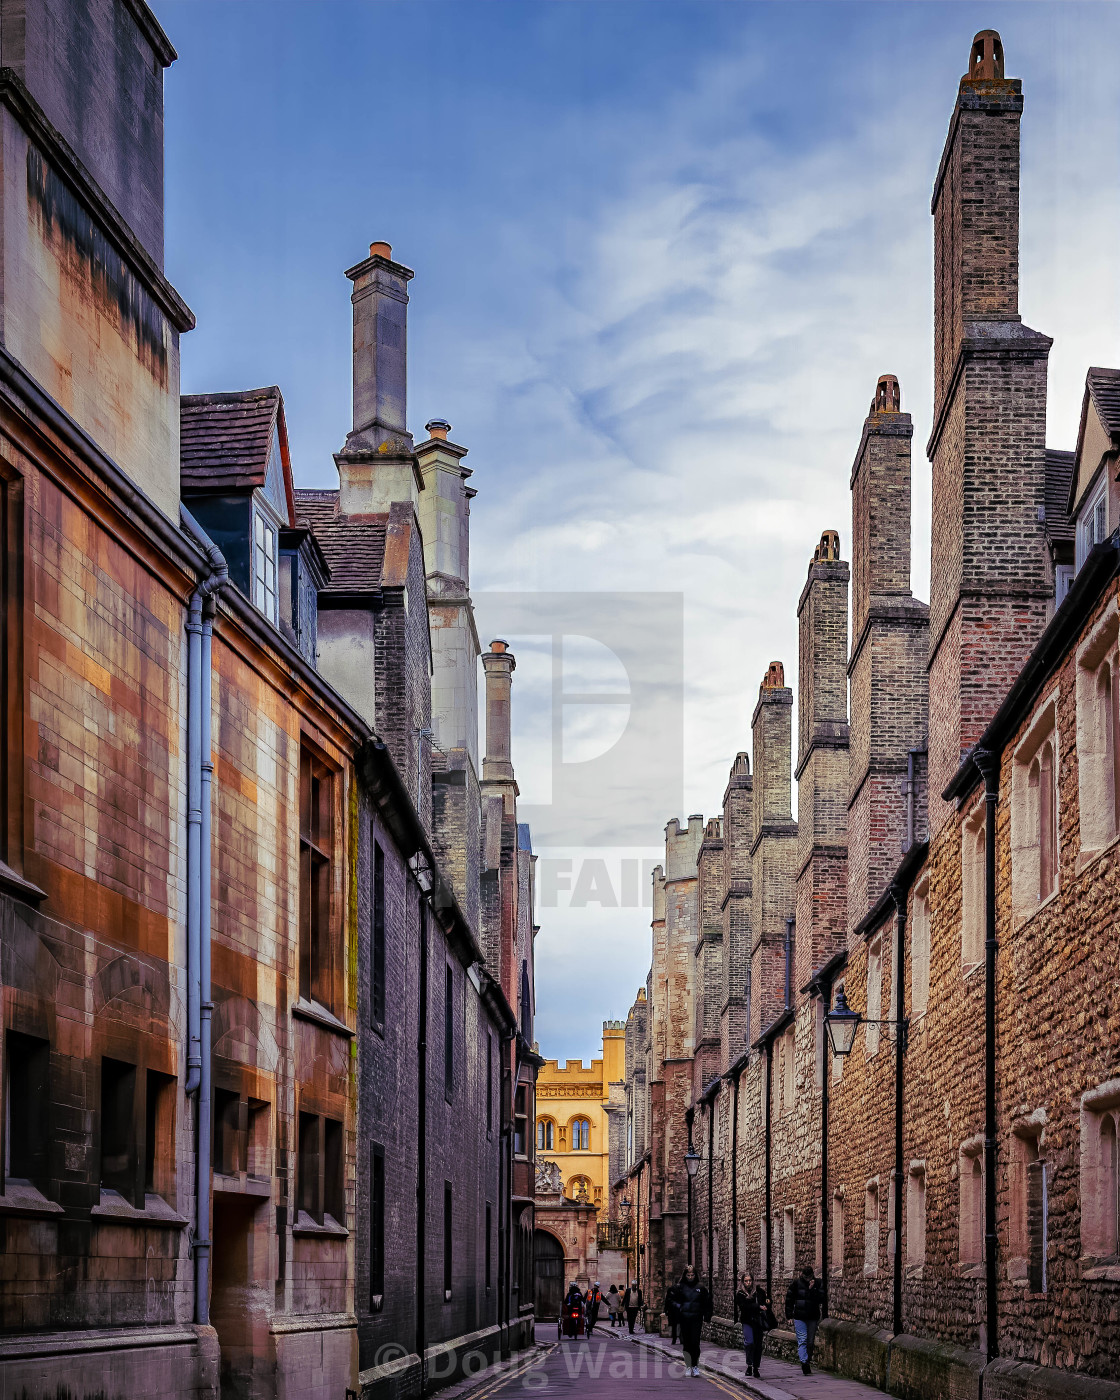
{"x": 691, "y": 1161}
{"x": 624, "y": 1207}
{"x": 842, "y": 1022}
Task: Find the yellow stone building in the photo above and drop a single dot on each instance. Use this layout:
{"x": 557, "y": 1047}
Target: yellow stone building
{"x": 572, "y": 1121}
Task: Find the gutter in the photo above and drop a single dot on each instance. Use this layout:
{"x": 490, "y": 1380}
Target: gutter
{"x": 200, "y": 773}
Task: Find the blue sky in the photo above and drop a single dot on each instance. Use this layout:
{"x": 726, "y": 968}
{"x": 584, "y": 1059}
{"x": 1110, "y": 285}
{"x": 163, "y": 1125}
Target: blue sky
{"x": 662, "y": 252}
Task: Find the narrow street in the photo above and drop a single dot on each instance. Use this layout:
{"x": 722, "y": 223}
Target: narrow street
{"x": 613, "y": 1364}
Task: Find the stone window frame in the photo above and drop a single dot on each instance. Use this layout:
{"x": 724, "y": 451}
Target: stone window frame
{"x": 1028, "y": 1133}
{"x": 872, "y": 1040}
{"x": 970, "y": 1207}
{"x": 577, "y": 1139}
{"x": 789, "y": 1241}
{"x": 871, "y": 1228}
{"x": 1029, "y": 805}
{"x": 920, "y": 919}
{"x": 917, "y": 1183}
{"x": 1098, "y": 758}
{"x": 788, "y": 1047}
{"x": 544, "y": 1124}
{"x": 836, "y": 1225}
{"x": 1099, "y": 1182}
{"x": 972, "y": 887}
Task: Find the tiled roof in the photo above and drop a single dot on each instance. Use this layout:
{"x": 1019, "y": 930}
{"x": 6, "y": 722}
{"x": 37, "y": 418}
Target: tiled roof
{"x": 1059, "y": 474}
{"x": 1104, "y": 385}
{"x": 226, "y": 439}
{"x": 354, "y": 546}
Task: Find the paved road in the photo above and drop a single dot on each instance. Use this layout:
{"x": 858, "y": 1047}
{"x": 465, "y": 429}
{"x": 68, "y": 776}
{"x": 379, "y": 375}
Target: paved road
{"x": 607, "y": 1367}
{"x": 613, "y": 1365}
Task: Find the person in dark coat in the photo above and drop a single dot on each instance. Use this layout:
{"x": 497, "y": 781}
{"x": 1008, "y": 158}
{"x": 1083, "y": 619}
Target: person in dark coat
{"x": 752, "y": 1309}
{"x": 696, "y": 1309}
{"x": 633, "y": 1302}
{"x": 673, "y": 1310}
{"x": 592, "y": 1303}
{"x": 804, "y": 1301}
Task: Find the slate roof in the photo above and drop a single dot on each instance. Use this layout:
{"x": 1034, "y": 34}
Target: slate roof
{"x": 354, "y": 546}
{"x": 1104, "y": 385}
{"x": 1059, "y": 475}
{"x": 226, "y": 439}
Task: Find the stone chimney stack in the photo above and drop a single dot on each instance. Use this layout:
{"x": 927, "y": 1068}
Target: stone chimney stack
{"x": 773, "y": 848}
{"x": 738, "y": 830}
{"x": 376, "y": 466}
{"x": 990, "y": 568}
{"x": 890, "y": 645}
{"x": 499, "y": 664}
{"x": 822, "y": 759}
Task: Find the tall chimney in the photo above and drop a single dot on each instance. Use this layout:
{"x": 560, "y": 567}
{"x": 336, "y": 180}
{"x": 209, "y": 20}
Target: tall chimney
{"x": 991, "y": 578}
{"x": 376, "y": 466}
{"x": 498, "y": 664}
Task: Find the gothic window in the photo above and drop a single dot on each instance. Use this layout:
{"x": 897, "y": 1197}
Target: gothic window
{"x": 320, "y": 1185}
{"x": 874, "y": 996}
{"x": 919, "y": 950}
{"x": 1034, "y": 813}
{"x": 448, "y": 1241}
{"x": 1098, "y": 736}
{"x": 377, "y": 941}
{"x": 1100, "y": 1176}
{"x": 1028, "y": 1212}
{"x": 972, "y": 888}
{"x": 545, "y": 1129}
{"x": 581, "y": 1135}
{"x": 788, "y": 1045}
{"x": 916, "y": 1216}
{"x": 871, "y": 1228}
{"x": 971, "y": 1225}
{"x": 836, "y": 1249}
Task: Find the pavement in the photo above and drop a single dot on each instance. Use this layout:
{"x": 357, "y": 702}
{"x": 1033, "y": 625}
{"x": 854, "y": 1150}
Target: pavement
{"x": 614, "y": 1364}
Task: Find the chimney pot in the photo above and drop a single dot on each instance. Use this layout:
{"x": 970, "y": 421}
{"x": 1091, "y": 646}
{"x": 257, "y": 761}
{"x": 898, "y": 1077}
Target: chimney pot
{"x": 775, "y": 677}
{"x": 888, "y": 395}
{"x": 380, "y": 250}
{"x": 499, "y": 646}
{"x": 438, "y": 428}
{"x": 986, "y": 61}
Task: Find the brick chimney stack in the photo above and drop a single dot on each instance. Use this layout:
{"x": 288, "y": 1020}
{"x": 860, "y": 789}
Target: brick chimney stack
{"x": 499, "y": 665}
{"x": 822, "y": 758}
{"x": 738, "y": 831}
{"x": 376, "y": 466}
{"x": 890, "y": 646}
{"x": 773, "y": 848}
{"x": 990, "y": 569}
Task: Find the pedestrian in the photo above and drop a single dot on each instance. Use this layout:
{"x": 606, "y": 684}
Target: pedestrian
{"x": 804, "y": 1300}
{"x": 673, "y": 1310}
{"x": 614, "y": 1305}
{"x": 751, "y": 1308}
{"x": 593, "y": 1302}
{"x": 696, "y": 1309}
{"x": 634, "y": 1302}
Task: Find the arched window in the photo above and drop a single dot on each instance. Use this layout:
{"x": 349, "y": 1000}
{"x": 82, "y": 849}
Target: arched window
{"x": 581, "y": 1135}
{"x": 544, "y": 1135}
{"x": 580, "y": 1189}
{"x": 1047, "y": 823}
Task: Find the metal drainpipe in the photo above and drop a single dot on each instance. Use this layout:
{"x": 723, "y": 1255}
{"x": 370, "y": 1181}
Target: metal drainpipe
{"x": 735, "y": 1185}
{"x": 769, "y": 1230}
{"x": 826, "y": 1214}
{"x": 422, "y": 1144}
{"x": 988, "y": 765}
{"x": 711, "y": 1167}
{"x": 899, "y": 897}
{"x": 688, "y": 1121}
{"x": 789, "y": 962}
{"x": 200, "y": 627}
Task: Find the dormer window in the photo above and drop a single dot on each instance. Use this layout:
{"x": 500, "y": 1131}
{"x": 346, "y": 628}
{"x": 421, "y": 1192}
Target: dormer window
{"x": 265, "y": 535}
{"x": 1092, "y": 521}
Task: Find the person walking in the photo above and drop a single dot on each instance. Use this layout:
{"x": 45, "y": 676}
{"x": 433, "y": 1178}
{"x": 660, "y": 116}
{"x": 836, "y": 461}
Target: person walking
{"x": 803, "y": 1308}
{"x": 634, "y": 1302}
{"x": 593, "y": 1302}
{"x": 614, "y": 1305}
{"x": 673, "y": 1310}
{"x": 696, "y": 1309}
{"x": 751, "y": 1307}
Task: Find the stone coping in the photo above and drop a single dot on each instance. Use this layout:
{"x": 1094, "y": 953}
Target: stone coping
{"x": 47, "y": 1344}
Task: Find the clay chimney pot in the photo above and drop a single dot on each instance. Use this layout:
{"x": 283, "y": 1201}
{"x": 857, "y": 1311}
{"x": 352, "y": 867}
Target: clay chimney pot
{"x": 888, "y": 395}
{"x": 438, "y": 428}
{"x": 380, "y": 250}
{"x": 986, "y": 61}
{"x": 775, "y": 677}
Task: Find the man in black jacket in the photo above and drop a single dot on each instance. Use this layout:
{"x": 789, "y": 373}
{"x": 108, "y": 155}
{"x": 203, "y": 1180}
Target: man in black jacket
{"x": 803, "y": 1308}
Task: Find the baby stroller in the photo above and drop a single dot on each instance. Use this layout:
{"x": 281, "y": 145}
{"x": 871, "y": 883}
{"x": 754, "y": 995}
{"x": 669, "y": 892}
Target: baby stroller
{"x": 570, "y": 1321}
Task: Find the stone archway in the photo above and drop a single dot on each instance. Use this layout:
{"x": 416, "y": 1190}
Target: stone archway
{"x": 548, "y": 1267}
